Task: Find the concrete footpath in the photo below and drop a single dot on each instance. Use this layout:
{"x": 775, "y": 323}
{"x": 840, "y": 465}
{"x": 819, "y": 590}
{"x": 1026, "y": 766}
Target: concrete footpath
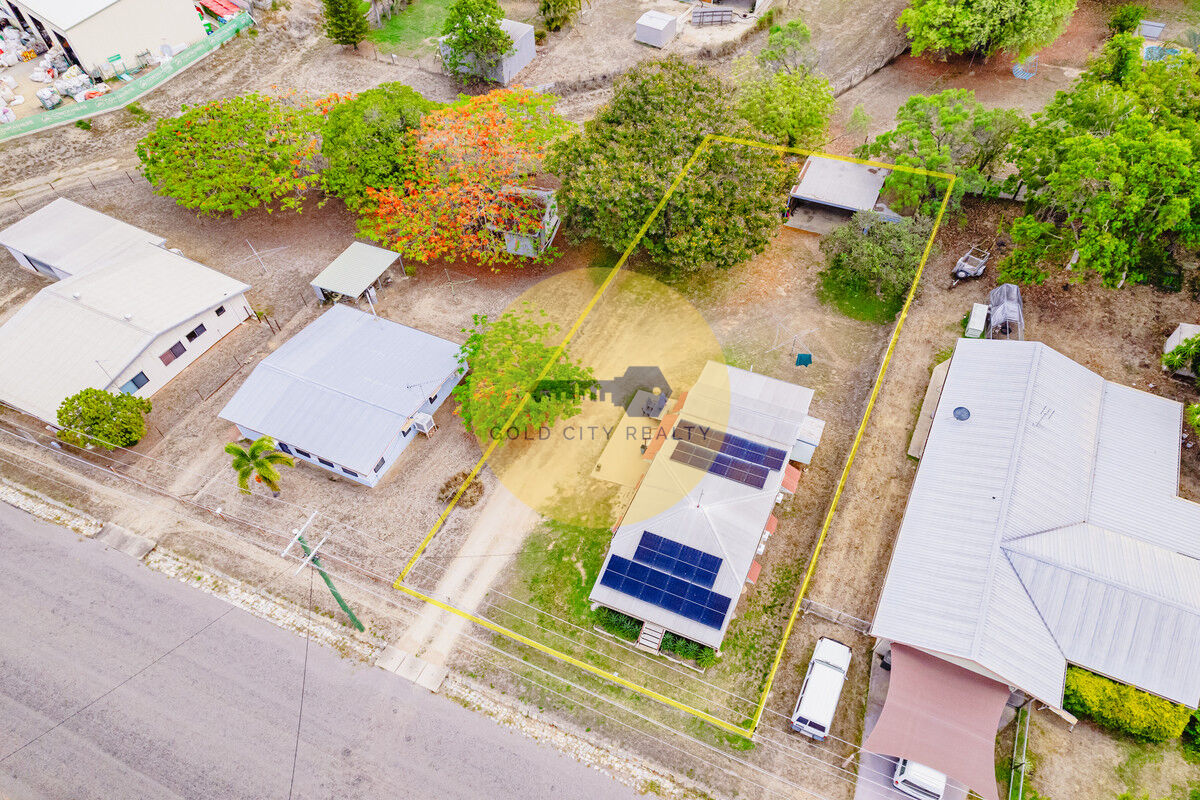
{"x": 141, "y": 686}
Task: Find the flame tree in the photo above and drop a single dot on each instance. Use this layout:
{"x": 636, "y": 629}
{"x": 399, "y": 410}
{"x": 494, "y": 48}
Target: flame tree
{"x": 471, "y": 161}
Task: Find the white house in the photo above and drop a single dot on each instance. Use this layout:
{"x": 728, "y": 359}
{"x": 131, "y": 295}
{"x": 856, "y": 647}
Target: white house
{"x": 102, "y": 34}
{"x": 348, "y": 393}
{"x": 125, "y": 314}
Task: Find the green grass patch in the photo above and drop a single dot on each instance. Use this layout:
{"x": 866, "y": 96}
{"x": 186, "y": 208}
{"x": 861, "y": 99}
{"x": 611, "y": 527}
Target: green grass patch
{"x": 560, "y": 563}
{"x": 410, "y": 30}
{"x": 857, "y": 301}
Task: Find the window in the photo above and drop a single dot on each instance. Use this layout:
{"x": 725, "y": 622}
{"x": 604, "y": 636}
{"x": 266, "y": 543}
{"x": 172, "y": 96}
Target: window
{"x": 379, "y": 466}
{"x": 135, "y": 383}
{"x": 175, "y": 352}
{"x": 199, "y": 329}
{"x": 350, "y": 472}
{"x": 300, "y": 452}
{"x": 326, "y": 463}
{"x": 220, "y": 310}
{"x": 284, "y": 448}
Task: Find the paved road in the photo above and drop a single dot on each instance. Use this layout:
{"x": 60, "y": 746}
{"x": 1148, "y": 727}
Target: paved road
{"x": 215, "y": 716}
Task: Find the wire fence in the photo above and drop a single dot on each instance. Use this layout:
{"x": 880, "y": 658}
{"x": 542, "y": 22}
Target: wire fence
{"x": 35, "y": 196}
{"x": 428, "y": 62}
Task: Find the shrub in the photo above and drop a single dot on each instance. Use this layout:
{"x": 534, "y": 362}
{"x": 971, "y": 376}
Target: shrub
{"x": 83, "y": 124}
{"x": 1126, "y": 18}
{"x": 620, "y": 625}
{"x": 557, "y": 14}
{"x": 470, "y": 495}
{"x": 1191, "y": 738}
{"x": 1185, "y": 355}
{"x": 103, "y": 419}
{"x": 1123, "y": 708}
{"x": 1192, "y": 415}
{"x": 703, "y": 655}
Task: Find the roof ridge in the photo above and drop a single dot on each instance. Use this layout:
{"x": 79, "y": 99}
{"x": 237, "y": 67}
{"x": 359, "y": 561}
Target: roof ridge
{"x": 328, "y": 388}
{"x": 1034, "y": 604}
{"x": 1006, "y": 499}
{"x": 1087, "y": 509}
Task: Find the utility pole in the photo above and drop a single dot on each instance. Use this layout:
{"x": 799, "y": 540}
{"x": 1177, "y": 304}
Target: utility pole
{"x": 311, "y": 559}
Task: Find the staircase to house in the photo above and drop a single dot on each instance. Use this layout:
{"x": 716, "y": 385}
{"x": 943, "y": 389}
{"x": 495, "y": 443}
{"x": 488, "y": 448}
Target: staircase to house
{"x": 651, "y": 637}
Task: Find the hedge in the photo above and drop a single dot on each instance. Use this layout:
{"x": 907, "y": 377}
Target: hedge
{"x": 703, "y": 655}
{"x": 618, "y": 624}
{"x": 1123, "y": 708}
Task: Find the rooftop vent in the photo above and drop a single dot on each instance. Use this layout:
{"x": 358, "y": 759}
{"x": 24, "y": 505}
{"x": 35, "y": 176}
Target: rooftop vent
{"x": 75, "y": 295}
{"x": 128, "y": 317}
{"x": 962, "y": 414}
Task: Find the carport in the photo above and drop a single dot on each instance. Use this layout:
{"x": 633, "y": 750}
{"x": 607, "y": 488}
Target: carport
{"x": 943, "y": 716}
{"x": 354, "y": 273}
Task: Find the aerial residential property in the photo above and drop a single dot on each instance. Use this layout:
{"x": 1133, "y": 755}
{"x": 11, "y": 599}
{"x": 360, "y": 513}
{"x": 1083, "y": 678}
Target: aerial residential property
{"x": 685, "y": 548}
{"x": 349, "y": 393}
{"x": 124, "y": 313}
{"x": 732, "y": 399}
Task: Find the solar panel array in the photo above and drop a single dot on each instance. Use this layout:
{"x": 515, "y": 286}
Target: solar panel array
{"x": 734, "y": 469}
{"x": 678, "y": 559}
{"x": 656, "y": 587}
{"x": 724, "y": 442}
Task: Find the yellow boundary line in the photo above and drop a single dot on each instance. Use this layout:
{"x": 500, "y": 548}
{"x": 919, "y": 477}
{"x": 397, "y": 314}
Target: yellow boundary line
{"x": 558, "y": 351}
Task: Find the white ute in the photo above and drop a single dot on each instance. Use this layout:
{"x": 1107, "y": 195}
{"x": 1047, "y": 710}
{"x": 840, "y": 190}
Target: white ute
{"x": 919, "y": 781}
{"x": 822, "y": 687}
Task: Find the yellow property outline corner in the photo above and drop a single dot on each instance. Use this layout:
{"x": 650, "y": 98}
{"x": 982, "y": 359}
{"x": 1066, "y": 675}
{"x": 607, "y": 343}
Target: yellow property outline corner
{"x": 587, "y": 310}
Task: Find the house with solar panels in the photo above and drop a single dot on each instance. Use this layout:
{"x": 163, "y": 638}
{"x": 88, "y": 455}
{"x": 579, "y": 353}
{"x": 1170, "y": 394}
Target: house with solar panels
{"x": 725, "y": 456}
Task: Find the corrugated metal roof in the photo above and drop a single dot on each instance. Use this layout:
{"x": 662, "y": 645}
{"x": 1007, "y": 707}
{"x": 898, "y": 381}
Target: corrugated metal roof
{"x": 66, "y": 14}
{"x": 73, "y": 238}
{"x": 344, "y": 387}
{"x": 842, "y": 184}
{"x": 84, "y": 330}
{"x": 705, "y": 511}
{"x": 1047, "y": 529}
{"x": 355, "y": 269}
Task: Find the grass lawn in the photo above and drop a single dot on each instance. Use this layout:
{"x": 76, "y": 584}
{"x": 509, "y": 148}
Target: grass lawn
{"x": 411, "y": 30}
{"x": 859, "y": 303}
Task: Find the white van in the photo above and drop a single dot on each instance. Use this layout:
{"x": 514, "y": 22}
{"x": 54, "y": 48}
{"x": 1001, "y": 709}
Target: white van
{"x": 822, "y": 687}
{"x": 919, "y": 781}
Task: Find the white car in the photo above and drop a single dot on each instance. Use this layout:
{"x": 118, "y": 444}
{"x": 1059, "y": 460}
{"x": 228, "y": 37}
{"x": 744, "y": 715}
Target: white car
{"x": 919, "y": 781}
{"x": 821, "y": 690}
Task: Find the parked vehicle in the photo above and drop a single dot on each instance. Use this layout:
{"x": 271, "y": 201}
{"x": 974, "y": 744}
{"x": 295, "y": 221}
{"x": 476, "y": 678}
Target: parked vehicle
{"x": 919, "y": 781}
{"x": 822, "y": 688}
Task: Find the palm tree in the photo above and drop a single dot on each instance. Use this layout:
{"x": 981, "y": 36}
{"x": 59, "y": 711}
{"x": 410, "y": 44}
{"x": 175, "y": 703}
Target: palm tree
{"x": 259, "y": 460}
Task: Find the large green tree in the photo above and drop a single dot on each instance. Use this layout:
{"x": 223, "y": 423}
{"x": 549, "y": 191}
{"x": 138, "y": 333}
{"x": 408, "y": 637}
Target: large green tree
{"x": 872, "y": 255}
{"x": 366, "y": 141}
{"x": 502, "y": 359}
{"x": 1110, "y": 172}
{"x": 792, "y": 108}
{"x": 789, "y": 49}
{"x": 946, "y": 132}
{"x": 617, "y": 168}
{"x": 103, "y": 419}
{"x": 346, "y": 21}
{"x": 235, "y": 154}
{"x": 474, "y": 42}
{"x": 981, "y": 27}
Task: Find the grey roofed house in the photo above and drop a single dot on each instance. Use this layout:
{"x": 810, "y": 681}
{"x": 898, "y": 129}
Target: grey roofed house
{"x": 354, "y": 270}
{"x": 679, "y": 505}
{"x": 348, "y": 392}
{"x": 1046, "y": 528}
{"x": 64, "y": 238}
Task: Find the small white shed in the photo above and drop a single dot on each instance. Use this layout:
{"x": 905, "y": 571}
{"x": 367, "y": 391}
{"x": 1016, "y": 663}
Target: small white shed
{"x": 655, "y": 28}
{"x": 977, "y": 322}
{"x": 522, "y": 52}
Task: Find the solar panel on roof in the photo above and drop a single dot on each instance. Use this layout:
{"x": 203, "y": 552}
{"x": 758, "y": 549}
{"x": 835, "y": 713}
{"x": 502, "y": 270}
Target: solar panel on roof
{"x": 697, "y": 603}
{"x": 677, "y": 559}
{"x": 730, "y": 444}
{"x": 720, "y": 464}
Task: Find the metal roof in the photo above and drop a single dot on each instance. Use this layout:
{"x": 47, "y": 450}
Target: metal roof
{"x": 67, "y": 14}
{"x": 73, "y": 238}
{"x": 841, "y": 184}
{"x": 1047, "y": 529}
{"x": 705, "y": 511}
{"x": 355, "y": 269}
{"x": 83, "y": 331}
{"x": 344, "y": 387}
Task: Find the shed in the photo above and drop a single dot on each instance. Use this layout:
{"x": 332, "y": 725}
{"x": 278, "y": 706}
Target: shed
{"x": 655, "y": 28}
{"x": 1181, "y": 334}
{"x": 834, "y": 189}
{"x": 354, "y": 273}
{"x": 523, "y": 51}
{"x": 977, "y": 321}
{"x": 108, "y": 35}
{"x": 348, "y": 393}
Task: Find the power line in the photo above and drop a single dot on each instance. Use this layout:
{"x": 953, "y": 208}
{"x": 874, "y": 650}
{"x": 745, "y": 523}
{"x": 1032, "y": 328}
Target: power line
{"x": 303, "y": 683}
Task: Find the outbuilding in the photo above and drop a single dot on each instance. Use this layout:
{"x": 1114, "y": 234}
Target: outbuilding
{"x": 1181, "y": 334}
{"x": 516, "y": 59}
{"x": 829, "y": 190}
{"x": 107, "y": 36}
{"x": 355, "y": 273}
{"x": 348, "y": 393}
{"x": 655, "y": 28}
{"x": 124, "y": 314}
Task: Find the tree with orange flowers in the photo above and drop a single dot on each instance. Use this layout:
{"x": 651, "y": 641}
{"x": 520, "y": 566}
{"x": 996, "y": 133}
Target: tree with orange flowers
{"x": 473, "y": 163}
{"x": 235, "y": 154}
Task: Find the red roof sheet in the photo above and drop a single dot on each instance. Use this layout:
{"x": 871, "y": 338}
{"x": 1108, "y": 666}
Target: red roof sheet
{"x": 791, "y": 478}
